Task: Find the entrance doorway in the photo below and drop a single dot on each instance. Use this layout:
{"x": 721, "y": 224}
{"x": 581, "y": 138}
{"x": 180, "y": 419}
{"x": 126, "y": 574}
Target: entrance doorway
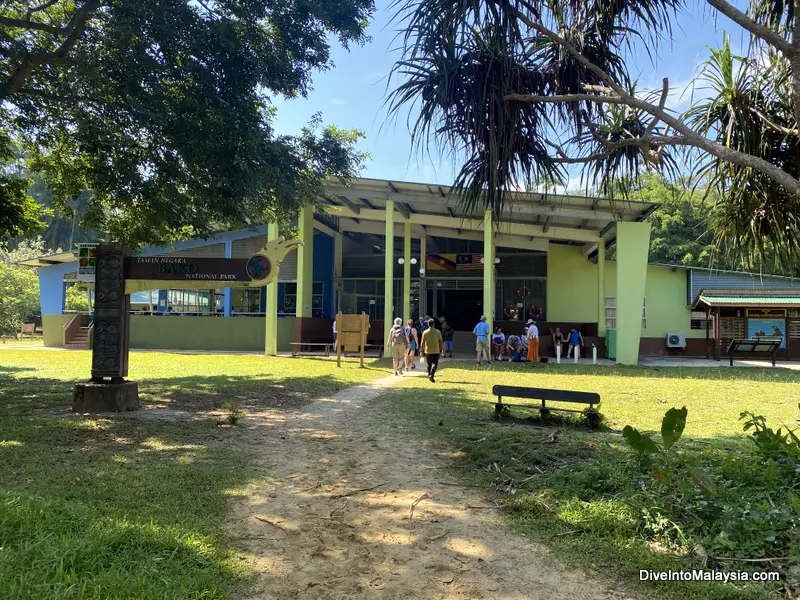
{"x": 461, "y": 308}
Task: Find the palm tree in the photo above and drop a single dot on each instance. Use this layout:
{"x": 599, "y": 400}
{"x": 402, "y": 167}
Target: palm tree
{"x": 528, "y": 89}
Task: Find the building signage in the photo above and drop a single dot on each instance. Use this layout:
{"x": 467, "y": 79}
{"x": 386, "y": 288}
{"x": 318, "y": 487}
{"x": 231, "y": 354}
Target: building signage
{"x": 766, "y": 313}
{"x": 178, "y": 268}
{"x": 87, "y": 257}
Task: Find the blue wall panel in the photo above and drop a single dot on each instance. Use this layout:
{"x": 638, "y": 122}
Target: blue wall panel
{"x": 323, "y": 270}
{"x": 52, "y": 289}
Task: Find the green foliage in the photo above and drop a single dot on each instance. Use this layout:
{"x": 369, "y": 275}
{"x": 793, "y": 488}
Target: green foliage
{"x": 24, "y": 250}
{"x": 672, "y": 427}
{"x": 751, "y": 109}
{"x": 75, "y": 299}
{"x": 775, "y": 445}
{"x": 19, "y": 213}
{"x": 19, "y": 287}
{"x": 162, "y": 109}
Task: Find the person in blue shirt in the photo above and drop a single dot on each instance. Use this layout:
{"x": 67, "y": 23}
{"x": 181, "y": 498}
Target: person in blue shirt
{"x": 482, "y": 346}
{"x": 575, "y": 343}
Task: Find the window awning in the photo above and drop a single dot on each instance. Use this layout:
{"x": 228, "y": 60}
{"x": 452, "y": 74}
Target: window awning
{"x": 742, "y": 298}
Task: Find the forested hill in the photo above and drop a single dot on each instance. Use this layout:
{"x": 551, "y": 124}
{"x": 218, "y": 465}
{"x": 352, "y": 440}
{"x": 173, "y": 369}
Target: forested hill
{"x": 684, "y": 229}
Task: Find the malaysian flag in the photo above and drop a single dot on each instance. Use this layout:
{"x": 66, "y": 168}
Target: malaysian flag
{"x": 465, "y": 262}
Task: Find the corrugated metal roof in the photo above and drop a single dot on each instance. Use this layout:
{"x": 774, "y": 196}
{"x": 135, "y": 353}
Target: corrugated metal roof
{"x": 748, "y": 298}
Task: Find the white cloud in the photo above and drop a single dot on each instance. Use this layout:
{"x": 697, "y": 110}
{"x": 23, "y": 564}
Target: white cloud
{"x": 338, "y": 102}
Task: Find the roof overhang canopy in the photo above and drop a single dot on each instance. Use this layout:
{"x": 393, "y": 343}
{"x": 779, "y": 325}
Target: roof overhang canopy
{"x": 529, "y": 219}
{"x": 53, "y": 259}
{"x": 744, "y": 298}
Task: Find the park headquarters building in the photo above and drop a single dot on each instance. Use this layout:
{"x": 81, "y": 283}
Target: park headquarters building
{"x": 392, "y": 249}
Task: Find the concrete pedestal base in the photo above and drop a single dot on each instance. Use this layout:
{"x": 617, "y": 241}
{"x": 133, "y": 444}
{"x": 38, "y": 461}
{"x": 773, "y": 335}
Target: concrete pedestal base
{"x": 97, "y": 397}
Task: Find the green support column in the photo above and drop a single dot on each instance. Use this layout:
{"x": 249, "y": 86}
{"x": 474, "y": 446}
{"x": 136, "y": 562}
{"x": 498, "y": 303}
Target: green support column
{"x": 633, "y": 243}
{"x": 305, "y": 262}
{"x": 488, "y": 268}
{"x": 271, "y": 319}
{"x": 388, "y": 270}
{"x": 407, "y": 270}
{"x": 601, "y": 288}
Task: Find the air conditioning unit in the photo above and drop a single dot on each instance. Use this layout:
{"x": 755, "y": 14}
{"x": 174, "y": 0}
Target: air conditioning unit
{"x": 676, "y": 340}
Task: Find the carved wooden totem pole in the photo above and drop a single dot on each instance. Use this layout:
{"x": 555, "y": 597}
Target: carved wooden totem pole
{"x": 107, "y": 390}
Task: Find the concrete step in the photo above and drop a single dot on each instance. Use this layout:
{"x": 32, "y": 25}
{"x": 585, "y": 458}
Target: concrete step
{"x": 76, "y": 346}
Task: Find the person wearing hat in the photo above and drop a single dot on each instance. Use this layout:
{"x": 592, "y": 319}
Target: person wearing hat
{"x": 533, "y": 341}
{"x": 482, "y": 346}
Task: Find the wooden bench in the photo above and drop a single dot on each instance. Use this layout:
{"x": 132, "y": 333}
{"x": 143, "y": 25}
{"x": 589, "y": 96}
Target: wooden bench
{"x": 28, "y": 329}
{"x": 297, "y": 347}
{"x": 545, "y": 395}
{"x": 763, "y": 346}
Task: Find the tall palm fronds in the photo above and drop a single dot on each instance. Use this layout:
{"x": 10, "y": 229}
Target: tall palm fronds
{"x": 463, "y": 58}
{"x": 750, "y": 110}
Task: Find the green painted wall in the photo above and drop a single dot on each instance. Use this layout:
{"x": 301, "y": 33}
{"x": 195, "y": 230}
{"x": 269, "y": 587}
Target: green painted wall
{"x": 665, "y": 291}
{"x": 571, "y": 285}
{"x": 666, "y": 304}
{"x": 53, "y": 329}
{"x": 244, "y": 334}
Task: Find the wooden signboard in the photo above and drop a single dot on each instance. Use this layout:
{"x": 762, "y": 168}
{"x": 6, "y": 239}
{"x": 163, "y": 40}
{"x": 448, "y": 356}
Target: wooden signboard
{"x": 766, "y": 313}
{"x": 351, "y": 335}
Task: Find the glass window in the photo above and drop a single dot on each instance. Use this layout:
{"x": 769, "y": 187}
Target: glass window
{"x": 366, "y": 286}
{"x": 290, "y": 299}
{"x": 246, "y": 300}
{"x": 611, "y": 313}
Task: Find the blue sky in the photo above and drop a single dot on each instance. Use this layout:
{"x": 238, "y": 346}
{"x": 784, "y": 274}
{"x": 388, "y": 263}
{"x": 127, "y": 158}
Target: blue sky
{"x": 351, "y": 95}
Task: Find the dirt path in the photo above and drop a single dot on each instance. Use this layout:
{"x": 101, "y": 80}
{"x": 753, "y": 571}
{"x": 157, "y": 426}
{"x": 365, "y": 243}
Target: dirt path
{"x": 311, "y": 535}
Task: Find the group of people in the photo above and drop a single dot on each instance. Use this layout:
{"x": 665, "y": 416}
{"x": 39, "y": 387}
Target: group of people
{"x": 516, "y": 348}
{"x": 520, "y": 348}
{"x": 419, "y": 339}
{"x": 424, "y": 339}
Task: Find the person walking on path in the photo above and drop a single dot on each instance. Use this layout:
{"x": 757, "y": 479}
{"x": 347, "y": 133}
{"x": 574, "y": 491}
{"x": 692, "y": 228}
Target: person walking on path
{"x": 413, "y": 343}
{"x": 482, "y": 347}
{"x": 447, "y": 336}
{"x": 431, "y": 346}
{"x": 396, "y": 343}
{"x": 533, "y": 342}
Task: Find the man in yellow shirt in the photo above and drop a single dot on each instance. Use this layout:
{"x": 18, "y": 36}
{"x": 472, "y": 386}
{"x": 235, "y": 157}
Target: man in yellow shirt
{"x": 431, "y": 345}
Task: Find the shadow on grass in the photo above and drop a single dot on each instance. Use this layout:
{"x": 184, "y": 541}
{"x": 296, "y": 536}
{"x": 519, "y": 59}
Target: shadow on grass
{"x": 121, "y": 507}
{"x": 192, "y": 393}
{"x": 116, "y": 508}
{"x": 589, "y": 496}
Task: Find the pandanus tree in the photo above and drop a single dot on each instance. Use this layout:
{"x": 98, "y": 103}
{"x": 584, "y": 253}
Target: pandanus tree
{"x": 530, "y": 90}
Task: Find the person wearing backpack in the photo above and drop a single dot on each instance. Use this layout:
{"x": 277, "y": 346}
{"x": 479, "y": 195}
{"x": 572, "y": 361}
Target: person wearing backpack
{"x": 396, "y": 343}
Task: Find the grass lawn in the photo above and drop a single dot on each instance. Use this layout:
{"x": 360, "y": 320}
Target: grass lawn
{"x": 126, "y": 507}
{"x": 23, "y": 341}
{"x": 594, "y": 500}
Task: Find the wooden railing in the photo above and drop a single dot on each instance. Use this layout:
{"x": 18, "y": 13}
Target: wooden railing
{"x": 70, "y": 328}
